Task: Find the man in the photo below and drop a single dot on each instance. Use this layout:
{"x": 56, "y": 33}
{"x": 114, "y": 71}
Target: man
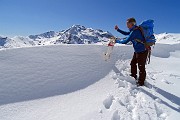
{"x": 140, "y": 51}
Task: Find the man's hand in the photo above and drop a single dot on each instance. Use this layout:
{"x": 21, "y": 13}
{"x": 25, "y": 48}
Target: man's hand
{"x": 116, "y": 27}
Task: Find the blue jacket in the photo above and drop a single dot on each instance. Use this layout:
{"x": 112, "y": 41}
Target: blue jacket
{"x": 133, "y": 34}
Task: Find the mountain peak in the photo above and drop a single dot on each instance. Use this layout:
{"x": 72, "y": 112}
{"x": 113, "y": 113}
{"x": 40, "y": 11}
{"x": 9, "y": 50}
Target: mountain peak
{"x": 78, "y": 26}
{"x": 48, "y": 34}
{"x": 76, "y": 34}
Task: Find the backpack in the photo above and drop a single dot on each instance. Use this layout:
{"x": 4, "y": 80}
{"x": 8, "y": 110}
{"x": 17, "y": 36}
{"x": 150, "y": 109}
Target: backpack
{"x": 146, "y": 28}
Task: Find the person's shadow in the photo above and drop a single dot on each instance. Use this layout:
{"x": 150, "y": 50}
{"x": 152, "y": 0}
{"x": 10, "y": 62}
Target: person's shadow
{"x": 174, "y": 99}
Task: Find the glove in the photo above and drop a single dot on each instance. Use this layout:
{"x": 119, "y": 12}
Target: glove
{"x": 116, "y": 27}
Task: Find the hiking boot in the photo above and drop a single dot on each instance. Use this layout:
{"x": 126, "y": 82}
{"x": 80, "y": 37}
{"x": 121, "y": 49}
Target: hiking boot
{"x": 134, "y": 76}
{"x": 140, "y": 84}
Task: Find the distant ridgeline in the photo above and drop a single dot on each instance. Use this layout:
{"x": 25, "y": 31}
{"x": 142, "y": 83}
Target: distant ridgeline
{"x": 76, "y": 34}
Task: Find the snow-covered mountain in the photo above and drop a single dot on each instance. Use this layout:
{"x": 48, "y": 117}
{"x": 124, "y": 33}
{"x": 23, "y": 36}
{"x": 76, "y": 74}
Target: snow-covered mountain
{"x": 15, "y": 42}
{"x": 76, "y": 34}
{"x": 168, "y": 38}
{"x": 49, "y": 34}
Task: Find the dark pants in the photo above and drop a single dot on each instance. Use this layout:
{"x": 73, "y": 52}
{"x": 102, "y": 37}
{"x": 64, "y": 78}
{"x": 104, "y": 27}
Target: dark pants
{"x": 140, "y": 59}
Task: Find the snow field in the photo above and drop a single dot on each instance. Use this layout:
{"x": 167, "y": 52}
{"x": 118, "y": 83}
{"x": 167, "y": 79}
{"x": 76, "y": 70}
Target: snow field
{"x": 72, "y": 82}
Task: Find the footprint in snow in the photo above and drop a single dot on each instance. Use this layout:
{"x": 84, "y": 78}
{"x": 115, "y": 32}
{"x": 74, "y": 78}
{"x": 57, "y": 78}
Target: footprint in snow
{"x": 160, "y": 113}
{"x": 166, "y": 81}
{"x": 116, "y": 75}
{"x": 108, "y": 101}
{"x": 115, "y": 116}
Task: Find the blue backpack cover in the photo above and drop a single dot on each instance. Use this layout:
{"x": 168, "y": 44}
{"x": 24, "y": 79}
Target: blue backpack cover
{"x": 146, "y": 28}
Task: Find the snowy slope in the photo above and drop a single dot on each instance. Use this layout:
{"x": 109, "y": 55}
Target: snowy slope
{"x": 72, "y": 82}
{"x": 15, "y": 42}
{"x": 168, "y": 38}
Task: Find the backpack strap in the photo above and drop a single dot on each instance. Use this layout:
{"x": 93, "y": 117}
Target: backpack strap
{"x": 142, "y": 33}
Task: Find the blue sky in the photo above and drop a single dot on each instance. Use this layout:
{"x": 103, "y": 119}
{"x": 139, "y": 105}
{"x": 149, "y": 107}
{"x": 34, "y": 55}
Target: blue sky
{"x": 25, "y": 17}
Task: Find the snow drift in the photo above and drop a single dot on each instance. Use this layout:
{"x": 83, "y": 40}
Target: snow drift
{"x": 73, "y": 82}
